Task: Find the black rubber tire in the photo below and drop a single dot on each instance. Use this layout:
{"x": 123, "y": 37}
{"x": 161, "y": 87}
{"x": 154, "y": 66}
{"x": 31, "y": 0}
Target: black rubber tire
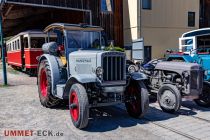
{"x": 83, "y": 104}
{"x": 139, "y": 91}
{"x": 50, "y": 100}
{"x": 178, "y": 98}
{"x": 204, "y": 99}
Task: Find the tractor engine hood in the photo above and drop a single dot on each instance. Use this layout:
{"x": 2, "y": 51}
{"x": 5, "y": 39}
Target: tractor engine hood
{"x": 178, "y": 67}
{"x": 85, "y": 53}
{"x": 87, "y": 61}
{"x": 83, "y": 62}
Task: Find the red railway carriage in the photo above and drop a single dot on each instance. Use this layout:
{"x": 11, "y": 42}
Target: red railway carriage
{"x": 24, "y": 48}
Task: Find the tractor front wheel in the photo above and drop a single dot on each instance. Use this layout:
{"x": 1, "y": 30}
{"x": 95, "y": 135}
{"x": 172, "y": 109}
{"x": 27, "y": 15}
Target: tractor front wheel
{"x": 45, "y": 85}
{"x": 79, "y": 106}
{"x": 169, "y": 98}
{"x": 204, "y": 98}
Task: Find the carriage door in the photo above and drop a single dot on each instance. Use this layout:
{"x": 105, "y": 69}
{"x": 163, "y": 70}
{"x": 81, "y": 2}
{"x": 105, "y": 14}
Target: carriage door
{"x": 22, "y": 51}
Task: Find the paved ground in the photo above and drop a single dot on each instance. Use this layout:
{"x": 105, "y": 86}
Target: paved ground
{"x": 20, "y": 110}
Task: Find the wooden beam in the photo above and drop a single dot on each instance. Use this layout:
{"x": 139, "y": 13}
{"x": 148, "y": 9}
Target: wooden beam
{"x": 118, "y": 22}
{"x": 25, "y": 12}
{"x": 7, "y": 12}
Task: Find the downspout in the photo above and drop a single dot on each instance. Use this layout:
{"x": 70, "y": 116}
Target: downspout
{"x": 140, "y": 18}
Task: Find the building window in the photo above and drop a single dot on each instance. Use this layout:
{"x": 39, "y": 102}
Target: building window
{"x": 191, "y": 19}
{"x": 107, "y": 5}
{"x": 147, "y": 4}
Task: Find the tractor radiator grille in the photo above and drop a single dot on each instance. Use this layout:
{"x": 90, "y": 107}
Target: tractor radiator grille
{"x": 196, "y": 79}
{"x": 114, "y": 68}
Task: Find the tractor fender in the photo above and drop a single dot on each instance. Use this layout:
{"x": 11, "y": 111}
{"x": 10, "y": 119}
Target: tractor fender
{"x": 80, "y": 78}
{"x": 138, "y": 76}
{"x": 144, "y": 98}
{"x": 85, "y": 78}
{"x": 55, "y": 71}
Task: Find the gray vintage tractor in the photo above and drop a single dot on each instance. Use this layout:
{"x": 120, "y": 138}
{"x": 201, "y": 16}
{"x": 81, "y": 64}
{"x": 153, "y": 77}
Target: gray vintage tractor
{"x": 173, "y": 80}
{"x": 75, "y": 66}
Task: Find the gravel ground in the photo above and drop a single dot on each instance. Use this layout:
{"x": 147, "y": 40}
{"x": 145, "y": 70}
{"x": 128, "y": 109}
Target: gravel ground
{"x": 20, "y": 109}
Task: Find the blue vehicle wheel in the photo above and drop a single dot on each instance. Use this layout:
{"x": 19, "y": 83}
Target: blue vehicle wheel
{"x": 204, "y": 99}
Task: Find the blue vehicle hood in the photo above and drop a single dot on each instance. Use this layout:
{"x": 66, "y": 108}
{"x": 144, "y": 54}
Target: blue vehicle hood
{"x": 187, "y": 58}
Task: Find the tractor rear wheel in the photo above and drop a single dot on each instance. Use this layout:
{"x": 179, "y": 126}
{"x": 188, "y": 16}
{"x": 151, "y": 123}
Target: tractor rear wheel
{"x": 79, "y": 106}
{"x": 204, "y": 98}
{"x": 45, "y": 85}
{"x": 136, "y": 99}
{"x": 169, "y": 98}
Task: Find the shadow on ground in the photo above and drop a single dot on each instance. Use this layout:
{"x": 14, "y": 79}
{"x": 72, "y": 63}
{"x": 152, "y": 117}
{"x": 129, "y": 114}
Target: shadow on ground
{"x": 110, "y": 118}
{"x": 193, "y": 106}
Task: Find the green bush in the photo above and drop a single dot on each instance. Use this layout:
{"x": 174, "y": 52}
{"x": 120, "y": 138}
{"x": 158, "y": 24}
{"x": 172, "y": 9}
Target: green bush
{"x": 113, "y": 48}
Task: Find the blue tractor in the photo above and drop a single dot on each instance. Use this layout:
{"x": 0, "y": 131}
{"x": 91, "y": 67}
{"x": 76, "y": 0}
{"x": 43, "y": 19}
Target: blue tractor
{"x": 194, "y": 47}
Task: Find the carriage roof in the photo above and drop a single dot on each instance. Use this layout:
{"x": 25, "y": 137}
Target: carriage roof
{"x": 28, "y": 32}
{"x": 77, "y": 27}
{"x": 199, "y": 32}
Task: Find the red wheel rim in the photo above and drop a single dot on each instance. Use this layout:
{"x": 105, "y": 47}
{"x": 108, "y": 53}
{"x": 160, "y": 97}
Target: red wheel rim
{"x": 135, "y": 103}
{"x": 74, "y": 106}
{"x": 43, "y": 82}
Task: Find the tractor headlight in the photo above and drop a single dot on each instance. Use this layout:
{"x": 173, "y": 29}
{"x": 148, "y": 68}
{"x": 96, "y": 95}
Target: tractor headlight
{"x": 206, "y": 72}
{"x": 185, "y": 74}
{"x": 99, "y": 71}
{"x": 132, "y": 69}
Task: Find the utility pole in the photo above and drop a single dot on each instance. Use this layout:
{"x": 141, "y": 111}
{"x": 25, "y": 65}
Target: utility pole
{"x": 3, "y": 52}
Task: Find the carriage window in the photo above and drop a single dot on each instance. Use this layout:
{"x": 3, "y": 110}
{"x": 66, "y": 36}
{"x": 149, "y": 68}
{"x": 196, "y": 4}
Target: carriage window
{"x": 13, "y": 46}
{"x": 25, "y": 42}
{"x": 37, "y": 42}
{"x": 7, "y": 47}
{"x": 18, "y": 44}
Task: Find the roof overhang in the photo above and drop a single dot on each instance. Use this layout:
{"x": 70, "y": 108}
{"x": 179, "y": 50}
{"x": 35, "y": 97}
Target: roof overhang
{"x": 19, "y": 16}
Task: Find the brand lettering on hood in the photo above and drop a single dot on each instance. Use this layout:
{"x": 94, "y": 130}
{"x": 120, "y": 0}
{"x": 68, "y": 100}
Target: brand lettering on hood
{"x": 83, "y": 60}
